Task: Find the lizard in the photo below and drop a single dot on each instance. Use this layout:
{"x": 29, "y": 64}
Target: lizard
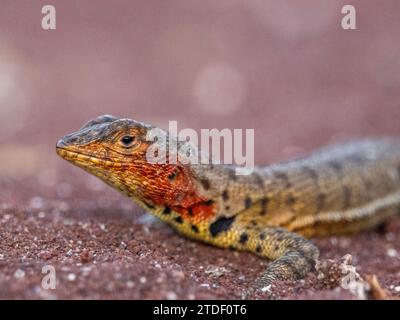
{"x": 272, "y": 212}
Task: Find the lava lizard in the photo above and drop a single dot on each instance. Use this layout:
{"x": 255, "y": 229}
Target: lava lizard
{"x": 271, "y": 212}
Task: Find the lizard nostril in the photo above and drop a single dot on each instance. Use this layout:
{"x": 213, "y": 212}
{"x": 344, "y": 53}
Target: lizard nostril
{"x": 61, "y": 144}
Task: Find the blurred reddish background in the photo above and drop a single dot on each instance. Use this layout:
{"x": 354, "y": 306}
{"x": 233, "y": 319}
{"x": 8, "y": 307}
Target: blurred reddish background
{"x": 285, "y": 68}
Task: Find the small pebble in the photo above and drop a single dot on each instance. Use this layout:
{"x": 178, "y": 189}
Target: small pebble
{"x": 71, "y": 277}
{"x": 216, "y": 272}
{"x": 142, "y": 280}
{"x": 85, "y": 256}
{"x": 19, "y": 274}
{"x": 41, "y": 215}
{"x": 171, "y": 295}
{"x": 391, "y": 253}
{"x": 266, "y": 289}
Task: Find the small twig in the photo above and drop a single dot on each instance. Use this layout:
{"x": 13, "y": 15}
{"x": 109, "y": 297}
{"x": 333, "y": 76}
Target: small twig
{"x": 376, "y": 291}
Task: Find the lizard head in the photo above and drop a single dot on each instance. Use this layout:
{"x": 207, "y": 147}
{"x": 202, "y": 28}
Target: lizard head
{"x": 115, "y": 150}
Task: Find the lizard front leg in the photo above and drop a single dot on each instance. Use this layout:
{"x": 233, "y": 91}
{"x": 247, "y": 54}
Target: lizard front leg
{"x": 293, "y": 256}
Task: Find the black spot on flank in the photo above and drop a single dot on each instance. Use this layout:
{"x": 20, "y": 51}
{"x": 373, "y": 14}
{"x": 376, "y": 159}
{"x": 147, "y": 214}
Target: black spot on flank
{"x": 243, "y": 238}
{"x": 276, "y": 248}
{"x": 209, "y": 202}
{"x": 195, "y": 229}
{"x": 346, "y": 197}
{"x": 258, "y": 249}
{"x": 227, "y": 208}
{"x": 264, "y": 204}
{"x": 231, "y": 248}
{"x": 381, "y": 228}
{"x": 290, "y": 200}
{"x": 173, "y": 176}
{"x": 178, "y": 219}
{"x": 247, "y": 202}
{"x": 205, "y": 183}
{"x": 225, "y": 195}
{"x": 253, "y": 222}
{"x": 262, "y": 236}
{"x": 220, "y": 225}
{"x": 167, "y": 210}
{"x": 190, "y": 212}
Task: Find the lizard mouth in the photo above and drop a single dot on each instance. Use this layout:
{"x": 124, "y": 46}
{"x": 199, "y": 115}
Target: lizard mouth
{"x": 81, "y": 159}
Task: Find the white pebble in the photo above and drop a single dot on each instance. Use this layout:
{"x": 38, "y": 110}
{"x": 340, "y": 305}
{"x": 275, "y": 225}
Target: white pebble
{"x": 266, "y": 289}
{"x": 171, "y": 295}
{"x": 41, "y": 214}
{"x": 397, "y": 289}
{"x": 391, "y": 253}
{"x": 71, "y": 277}
{"x": 142, "y": 280}
{"x": 19, "y": 273}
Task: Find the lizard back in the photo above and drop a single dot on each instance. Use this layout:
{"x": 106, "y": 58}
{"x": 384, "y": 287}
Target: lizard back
{"x": 338, "y": 189}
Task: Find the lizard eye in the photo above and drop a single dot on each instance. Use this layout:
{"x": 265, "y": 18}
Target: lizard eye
{"x": 128, "y": 141}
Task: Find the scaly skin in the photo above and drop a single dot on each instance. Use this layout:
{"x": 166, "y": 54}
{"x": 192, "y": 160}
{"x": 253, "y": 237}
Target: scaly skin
{"x": 271, "y": 212}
